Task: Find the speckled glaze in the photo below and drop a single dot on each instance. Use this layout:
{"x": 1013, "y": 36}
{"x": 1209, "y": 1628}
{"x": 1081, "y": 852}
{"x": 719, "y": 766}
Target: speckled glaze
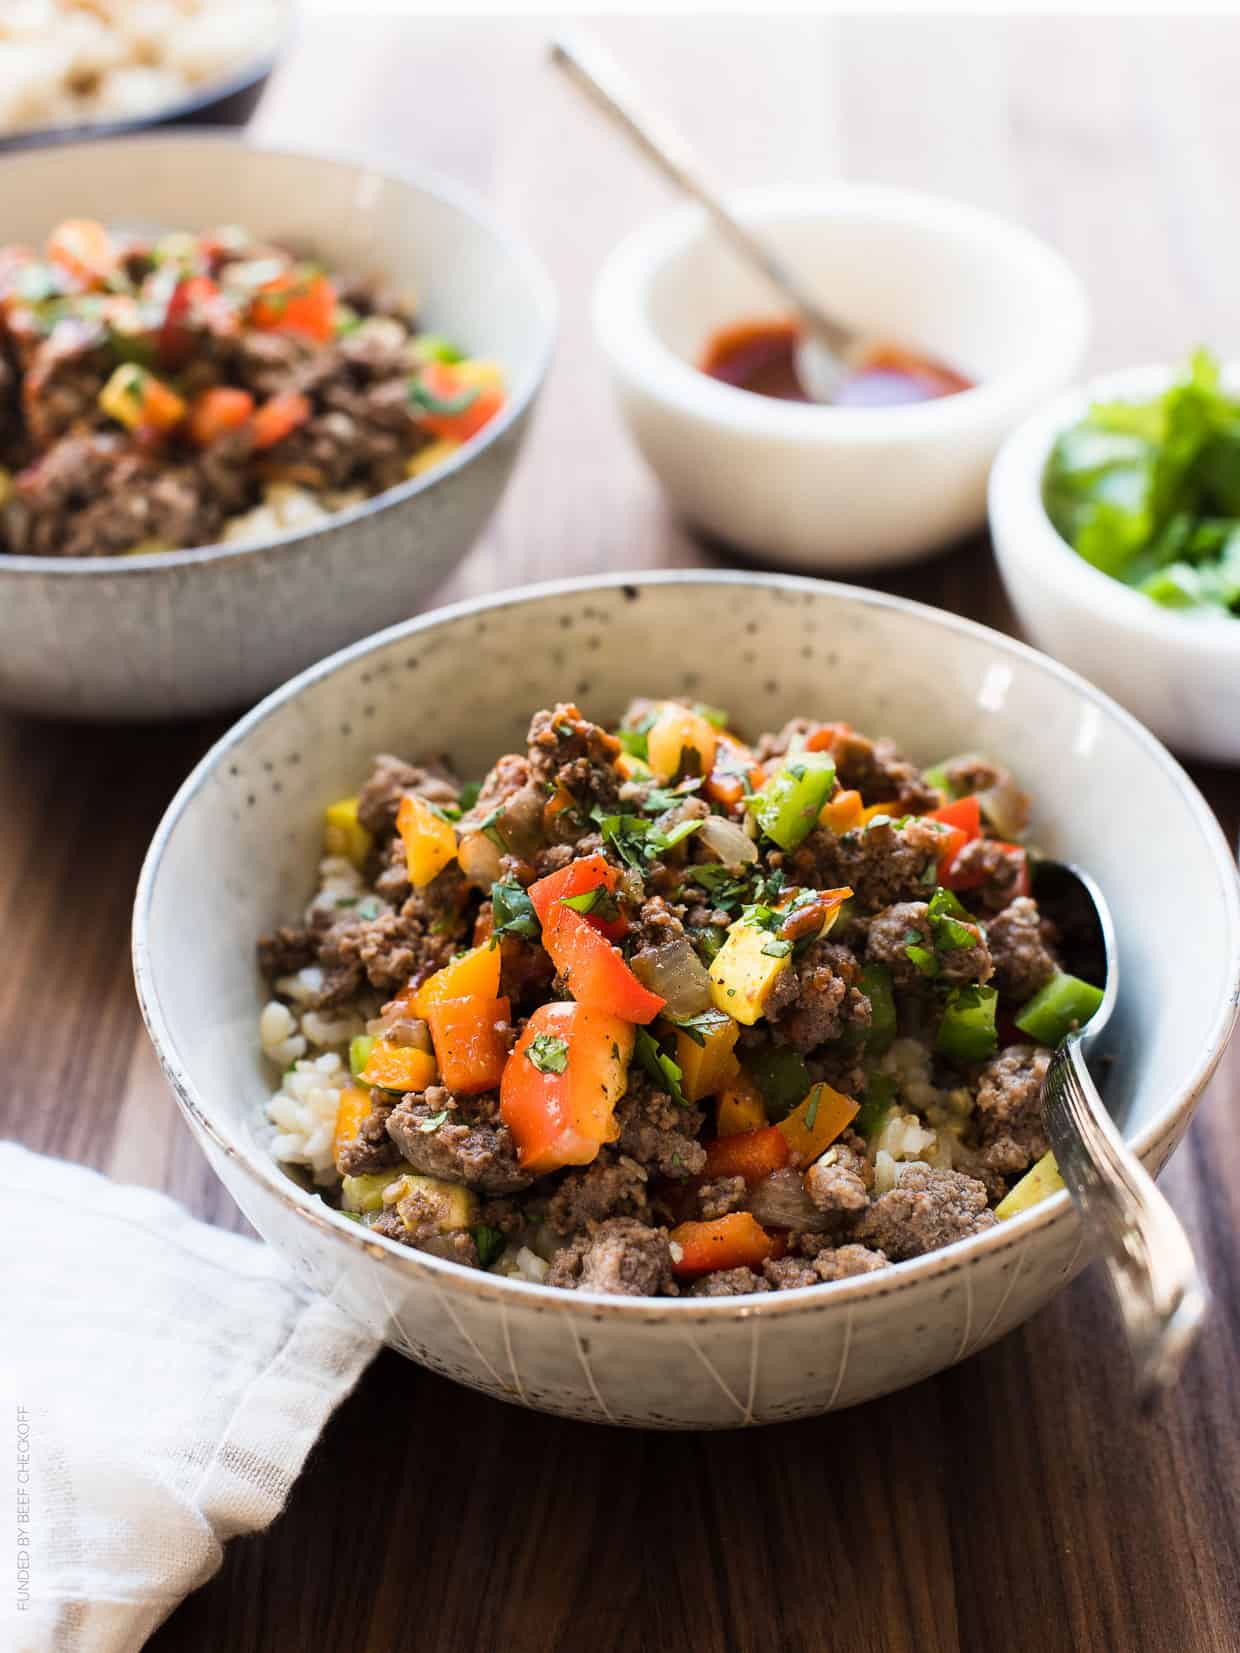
{"x": 196, "y": 631}
{"x": 237, "y": 850}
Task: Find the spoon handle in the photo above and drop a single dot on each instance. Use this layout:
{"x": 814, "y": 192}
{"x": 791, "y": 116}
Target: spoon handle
{"x": 1162, "y": 1297}
{"x": 595, "y": 75}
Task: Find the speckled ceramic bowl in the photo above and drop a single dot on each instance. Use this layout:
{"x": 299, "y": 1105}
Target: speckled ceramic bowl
{"x": 186, "y": 632}
{"x": 237, "y": 850}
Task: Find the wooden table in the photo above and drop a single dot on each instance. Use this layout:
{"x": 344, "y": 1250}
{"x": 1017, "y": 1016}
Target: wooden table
{"x": 1013, "y": 1502}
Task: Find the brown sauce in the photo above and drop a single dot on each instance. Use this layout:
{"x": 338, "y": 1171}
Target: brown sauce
{"x": 760, "y": 356}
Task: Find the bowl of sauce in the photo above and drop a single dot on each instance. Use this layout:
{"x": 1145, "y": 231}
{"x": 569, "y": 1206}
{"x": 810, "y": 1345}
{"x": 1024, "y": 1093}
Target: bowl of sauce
{"x": 991, "y": 321}
{"x": 761, "y": 356}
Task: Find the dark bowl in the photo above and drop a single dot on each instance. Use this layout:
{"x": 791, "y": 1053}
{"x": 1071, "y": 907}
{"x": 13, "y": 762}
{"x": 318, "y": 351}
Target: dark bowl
{"x": 227, "y": 102}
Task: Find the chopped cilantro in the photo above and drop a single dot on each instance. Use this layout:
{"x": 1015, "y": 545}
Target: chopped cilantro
{"x": 469, "y": 795}
{"x": 426, "y": 1126}
{"x": 489, "y": 827}
{"x": 714, "y": 715}
{"x": 659, "y": 1065}
{"x": 777, "y": 948}
{"x": 512, "y": 911}
{"x": 924, "y": 959}
{"x": 547, "y": 1053}
{"x": 425, "y": 399}
{"x": 489, "y": 1241}
{"x": 599, "y": 901}
{"x": 811, "y": 1113}
{"x": 697, "y": 1027}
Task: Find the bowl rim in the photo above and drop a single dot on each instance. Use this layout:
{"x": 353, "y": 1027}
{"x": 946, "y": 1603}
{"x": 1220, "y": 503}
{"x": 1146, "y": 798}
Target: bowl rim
{"x": 516, "y": 254}
{"x": 1023, "y": 531}
{"x": 631, "y": 344}
{"x": 439, "y": 1272}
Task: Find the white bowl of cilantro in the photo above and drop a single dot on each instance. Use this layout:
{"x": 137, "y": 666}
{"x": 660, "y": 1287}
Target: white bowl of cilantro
{"x": 1115, "y": 515}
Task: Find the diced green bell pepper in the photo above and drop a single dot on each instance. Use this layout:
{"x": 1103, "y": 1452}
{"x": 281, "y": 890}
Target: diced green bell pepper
{"x": 359, "y": 1053}
{"x": 880, "y": 1093}
{"x": 967, "y": 1031}
{"x": 788, "y": 806}
{"x": 782, "y": 1077}
{"x": 876, "y": 985}
{"x": 1065, "y": 1003}
{"x": 365, "y": 1193}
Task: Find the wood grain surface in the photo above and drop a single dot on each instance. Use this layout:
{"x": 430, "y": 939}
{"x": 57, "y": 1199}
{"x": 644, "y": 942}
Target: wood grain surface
{"x": 1012, "y": 1502}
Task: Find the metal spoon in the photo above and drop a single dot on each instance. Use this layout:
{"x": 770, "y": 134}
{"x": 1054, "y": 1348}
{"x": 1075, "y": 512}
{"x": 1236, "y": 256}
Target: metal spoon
{"x": 827, "y": 351}
{"x": 1162, "y": 1297}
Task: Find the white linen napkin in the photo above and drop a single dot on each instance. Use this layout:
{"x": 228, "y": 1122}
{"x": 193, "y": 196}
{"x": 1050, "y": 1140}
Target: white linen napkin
{"x": 163, "y": 1383}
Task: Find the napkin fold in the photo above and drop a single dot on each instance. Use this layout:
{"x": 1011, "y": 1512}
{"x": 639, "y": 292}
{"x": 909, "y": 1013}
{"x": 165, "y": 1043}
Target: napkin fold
{"x": 163, "y": 1382}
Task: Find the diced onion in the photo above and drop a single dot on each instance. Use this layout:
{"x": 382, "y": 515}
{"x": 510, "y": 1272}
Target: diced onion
{"x": 479, "y": 859}
{"x": 399, "y": 1029}
{"x": 729, "y": 842}
{"x": 1006, "y": 807}
{"x": 780, "y": 1201}
{"x": 677, "y": 974}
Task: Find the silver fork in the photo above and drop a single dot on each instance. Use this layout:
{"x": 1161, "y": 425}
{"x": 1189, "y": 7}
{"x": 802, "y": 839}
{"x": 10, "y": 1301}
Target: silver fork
{"x": 1162, "y": 1297}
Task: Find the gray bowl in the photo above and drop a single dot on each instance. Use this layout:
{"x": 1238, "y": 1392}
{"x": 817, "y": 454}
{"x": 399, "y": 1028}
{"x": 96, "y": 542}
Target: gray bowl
{"x": 182, "y": 633}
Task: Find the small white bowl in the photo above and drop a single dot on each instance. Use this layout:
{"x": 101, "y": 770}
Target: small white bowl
{"x": 824, "y": 487}
{"x": 237, "y": 850}
{"x": 1179, "y": 673}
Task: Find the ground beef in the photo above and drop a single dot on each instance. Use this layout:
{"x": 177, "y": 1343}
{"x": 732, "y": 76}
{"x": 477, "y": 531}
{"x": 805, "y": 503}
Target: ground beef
{"x": 973, "y": 773}
{"x": 817, "y": 997}
{"x": 620, "y": 1256}
{"x": 392, "y": 880}
{"x": 926, "y": 1209}
{"x": 525, "y": 973}
{"x": 372, "y": 1149}
{"x": 471, "y": 1145}
{"x": 831, "y": 1263}
{"x": 413, "y": 1223}
{"x": 390, "y": 778}
{"x": 876, "y": 769}
{"x": 881, "y": 862}
{"x": 271, "y": 363}
{"x": 892, "y": 932}
{"x": 721, "y": 1197}
{"x": 729, "y": 1282}
{"x": 998, "y": 869}
{"x": 568, "y": 751}
{"x": 657, "y": 1132}
{"x": 1008, "y": 1109}
{"x": 610, "y": 1187}
{"x": 655, "y": 925}
{"x": 393, "y": 949}
{"x": 838, "y": 1181}
{"x": 63, "y": 377}
{"x": 286, "y": 950}
{"x": 1023, "y": 963}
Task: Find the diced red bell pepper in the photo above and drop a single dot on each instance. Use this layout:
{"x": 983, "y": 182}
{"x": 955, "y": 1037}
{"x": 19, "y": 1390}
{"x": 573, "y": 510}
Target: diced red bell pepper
{"x": 300, "y": 302}
{"x": 448, "y": 386}
{"x": 963, "y": 820}
{"x": 734, "y": 765}
{"x": 561, "y": 1084}
{"x": 589, "y": 872}
{"x": 735, "y": 1241}
{"x": 469, "y": 1047}
{"x": 750, "y": 1154}
{"x": 280, "y": 417}
{"x": 594, "y": 970}
{"x": 83, "y": 248}
{"x": 196, "y": 299}
{"x": 215, "y": 411}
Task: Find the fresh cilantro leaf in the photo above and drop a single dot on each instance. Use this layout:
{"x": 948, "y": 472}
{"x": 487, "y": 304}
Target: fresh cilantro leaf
{"x": 435, "y": 1120}
{"x": 469, "y": 795}
{"x": 512, "y": 911}
{"x": 547, "y": 1053}
{"x": 489, "y": 1241}
{"x": 697, "y": 1027}
{"x": 777, "y": 948}
{"x": 665, "y": 1073}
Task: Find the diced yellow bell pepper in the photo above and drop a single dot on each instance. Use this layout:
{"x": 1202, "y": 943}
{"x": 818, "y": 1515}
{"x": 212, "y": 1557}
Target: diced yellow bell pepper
{"x": 134, "y": 397}
{"x": 352, "y": 1110}
{"x": 430, "y": 842}
{"x": 419, "y": 1200}
{"x": 889, "y": 808}
{"x": 705, "y": 1067}
{"x": 398, "y": 1067}
{"x": 433, "y": 454}
{"x": 675, "y": 730}
{"x": 843, "y": 812}
{"x": 742, "y": 974}
{"x": 479, "y": 373}
{"x": 344, "y": 834}
{"x": 147, "y": 548}
{"x": 6, "y": 485}
{"x": 741, "y": 1107}
{"x": 634, "y": 768}
{"x": 471, "y": 975}
{"x": 1037, "y": 1184}
{"x": 365, "y": 1193}
{"x": 814, "y": 1124}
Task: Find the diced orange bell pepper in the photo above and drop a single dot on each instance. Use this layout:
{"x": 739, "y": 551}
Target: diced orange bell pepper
{"x": 352, "y": 1110}
{"x": 140, "y": 401}
{"x": 469, "y": 1046}
{"x": 678, "y": 730}
{"x": 215, "y": 411}
{"x": 471, "y": 975}
{"x": 735, "y": 1241}
{"x": 430, "y": 842}
{"x": 588, "y": 872}
{"x": 83, "y": 248}
{"x": 460, "y": 409}
{"x": 299, "y": 302}
{"x": 561, "y": 1084}
{"x": 279, "y": 417}
{"x": 398, "y": 1067}
{"x": 963, "y": 819}
{"x": 843, "y": 812}
{"x": 888, "y": 807}
{"x": 741, "y": 1107}
{"x": 751, "y": 1154}
{"x": 593, "y": 969}
{"x": 824, "y": 737}
{"x": 706, "y": 1066}
{"x": 813, "y": 1125}
{"x": 734, "y": 765}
